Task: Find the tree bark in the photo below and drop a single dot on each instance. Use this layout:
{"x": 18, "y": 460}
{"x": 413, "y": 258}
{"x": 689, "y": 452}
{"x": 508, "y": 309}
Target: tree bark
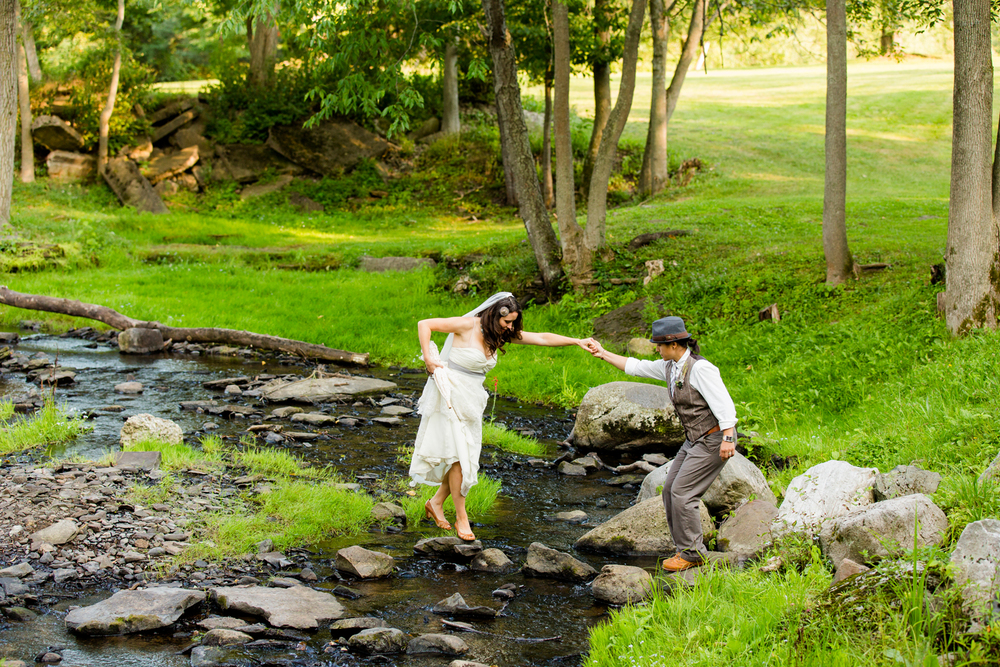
{"x": 688, "y": 54}
{"x": 655, "y": 168}
{"x": 8, "y": 106}
{"x": 30, "y": 52}
{"x": 193, "y": 335}
{"x": 262, "y": 41}
{"x": 450, "y": 122}
{"x": 109, "y": 106}
{"x": 887, "y": 41}
{"x": 570, "y": 233}
{"x": 972, "y": 276}
{"x": 547, "y": 189}
{"x": 839, "y": 263}
{"x": 517, "y": 152}
{"x": 602, "y": 89}
{"x": 24, "y": 103}
{"x": 597, "y": 199}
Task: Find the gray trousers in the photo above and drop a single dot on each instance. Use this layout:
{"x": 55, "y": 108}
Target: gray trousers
{"x": 694, "y": 469}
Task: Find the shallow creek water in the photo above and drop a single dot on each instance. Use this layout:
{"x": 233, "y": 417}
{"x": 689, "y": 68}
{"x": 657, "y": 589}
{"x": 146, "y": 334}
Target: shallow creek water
{"x": 542, "y": 608}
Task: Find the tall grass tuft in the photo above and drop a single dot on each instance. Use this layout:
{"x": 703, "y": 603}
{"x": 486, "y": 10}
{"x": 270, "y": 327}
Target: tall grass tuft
{"x": 478, "y": 503}
{"x": 276, "y": 462}
{"x": 498, "y": 435}
{"x": 181, "y": 456}
{"x": 48, "y": 426}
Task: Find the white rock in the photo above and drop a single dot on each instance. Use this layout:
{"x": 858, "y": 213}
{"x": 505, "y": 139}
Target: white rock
{"x": 824, "y": 492}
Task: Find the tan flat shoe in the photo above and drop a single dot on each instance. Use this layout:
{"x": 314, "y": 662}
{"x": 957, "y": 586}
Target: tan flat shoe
{"x": 441, "y": 522}
{"x": 678, "y": 563}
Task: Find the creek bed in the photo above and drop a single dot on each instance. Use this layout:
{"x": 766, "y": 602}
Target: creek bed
{"x": 542, "y": 608}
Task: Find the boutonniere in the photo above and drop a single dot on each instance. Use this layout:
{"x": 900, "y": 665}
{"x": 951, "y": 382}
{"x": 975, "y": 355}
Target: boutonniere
{"x": 679, "y": 383}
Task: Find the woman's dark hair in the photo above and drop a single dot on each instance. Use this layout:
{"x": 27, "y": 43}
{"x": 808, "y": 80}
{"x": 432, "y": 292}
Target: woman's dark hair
{"x": 691, "y": 344}
{"x": 495, "y": 335}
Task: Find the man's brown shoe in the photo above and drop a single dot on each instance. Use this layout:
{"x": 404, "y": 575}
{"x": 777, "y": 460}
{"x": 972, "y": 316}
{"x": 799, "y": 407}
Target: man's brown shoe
{"x": 678, "y": 563}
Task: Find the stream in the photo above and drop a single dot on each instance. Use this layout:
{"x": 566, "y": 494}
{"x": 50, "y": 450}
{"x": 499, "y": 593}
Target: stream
{"x": 542, "y": 608}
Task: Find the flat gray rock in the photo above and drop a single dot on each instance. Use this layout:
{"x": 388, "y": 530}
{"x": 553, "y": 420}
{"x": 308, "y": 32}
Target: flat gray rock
{"x": 299, "y": 607}
{"x": 455, "y": 605}
{"x": 748, "y": 531}
{"x": 127, "y": 612}
{"x": 225, "y": 637}
{"x": 491, "y": 560}
{"x": 378, "y": 640}
{"x": 365, "y": 563}
{"x": 314, "y": 418}
{"x": 18, "y": 571}
{"x": 140, "y": 460}
{"x": 346, "y": 627}
{"x": 58, "y": 533}
{"x": 448, "y": 547}
{"x": 322, "y": 390}
{"x": 977, "y": 562}
{"x": 903, "y": 481}
{"x": 437, "y": 644}
{"x": 140, "y": 340}
{"x": 547, "y": 563}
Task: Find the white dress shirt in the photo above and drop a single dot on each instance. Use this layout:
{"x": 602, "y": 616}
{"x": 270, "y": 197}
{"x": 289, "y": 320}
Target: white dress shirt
{"x": 704, "y": 377}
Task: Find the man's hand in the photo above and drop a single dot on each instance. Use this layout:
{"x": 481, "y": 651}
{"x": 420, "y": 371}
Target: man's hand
{"x": 595, "y": 348}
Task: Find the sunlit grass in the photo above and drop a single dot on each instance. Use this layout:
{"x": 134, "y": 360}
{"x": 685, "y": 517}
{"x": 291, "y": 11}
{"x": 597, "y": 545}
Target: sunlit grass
{"x": 48, "y": 426}
{"x": 498, "y": 435}
{"x": 276, "y": 462}
{"x": 181, "y": 456}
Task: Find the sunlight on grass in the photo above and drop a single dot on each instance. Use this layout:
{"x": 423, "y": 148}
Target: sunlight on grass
{"x": 47, "y": 426}
{"x": 181, "y": 456}
{"x": 498, "y": 435}
{"x": 276, "y": 462}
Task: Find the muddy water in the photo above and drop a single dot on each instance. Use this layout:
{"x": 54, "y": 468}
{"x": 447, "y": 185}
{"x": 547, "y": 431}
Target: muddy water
{"x": 542, "y": 610}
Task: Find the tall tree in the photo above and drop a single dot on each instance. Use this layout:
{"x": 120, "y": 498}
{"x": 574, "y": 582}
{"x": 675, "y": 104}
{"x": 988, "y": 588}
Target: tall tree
{"x": 972, "y": 293}
{"x": 262, "y": 41}
{"x": 8, "y": 106}
{"x": 603, "y": 53}
{"x": 570, "y": 233}
{"x": 515, "y": 145}
{"x": 109, "y": 105}
{"x": 24, "y": 103}
{"x": 839, "y": 263}
{"x": 450, "y": 122}
{"x": 655, "y": 169}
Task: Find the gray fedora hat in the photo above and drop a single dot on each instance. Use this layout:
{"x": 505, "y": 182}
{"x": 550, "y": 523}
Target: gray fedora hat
{"x": 668, "y": 330}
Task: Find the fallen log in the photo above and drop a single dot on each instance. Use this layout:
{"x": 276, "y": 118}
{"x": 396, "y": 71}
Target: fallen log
{"x": 192, "y": 335}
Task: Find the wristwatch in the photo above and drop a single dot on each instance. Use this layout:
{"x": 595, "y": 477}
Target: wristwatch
{"x": 728, "y": 438}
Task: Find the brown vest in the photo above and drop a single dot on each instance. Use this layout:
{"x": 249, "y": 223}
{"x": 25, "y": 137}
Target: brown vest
{"x": 691, "y": 407}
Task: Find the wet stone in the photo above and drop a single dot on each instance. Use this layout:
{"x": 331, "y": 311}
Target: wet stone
{"x": 378, "y": 640}
{"x": 572, "y": 470}
{"x": 438, "y": 644}
{"x": 227, "y": 622}
{"x": 455, "y": 605}
{"x": 575, "y": 516}
{"x": 351, "y": 626}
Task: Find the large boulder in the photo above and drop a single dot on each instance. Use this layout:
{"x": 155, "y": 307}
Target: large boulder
{"x": 249, "y": 163}
{"x": 737, "y": 483}
{"x": 748, "y": 531}
{"x": 904, "y": 481}
{"x": 55, "y": 134}
{"x": 323, "y": 390}
{"x": 547, "y": 563}
{"x": 131, "y": 187}
{"x": 884, "y": 529}
{"x": 140, "y": 340}
{"x": 824, "y": 492}
{"x": 330, "y": 148}
{"x": 126, "y": 612}
{"x": 622, "y": 584}
{"x": 67, "y": 166}
{"x": 297, "y": 607}
{"x": 977, "y": 566}
{"x": 641, "y": 530}
{"x": 627, "y": 416}
{"x": 138, "y": 428}
{"x": 365, "y": 563}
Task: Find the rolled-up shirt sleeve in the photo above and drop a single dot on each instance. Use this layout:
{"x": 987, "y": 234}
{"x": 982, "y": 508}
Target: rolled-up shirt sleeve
{"x": 706, "y": 379}
{"x": 643, "y": 368}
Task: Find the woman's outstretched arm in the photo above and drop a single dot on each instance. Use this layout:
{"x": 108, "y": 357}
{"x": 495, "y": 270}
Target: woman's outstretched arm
{"x": 616, "y": 360}
{"x": 551, "y": 340}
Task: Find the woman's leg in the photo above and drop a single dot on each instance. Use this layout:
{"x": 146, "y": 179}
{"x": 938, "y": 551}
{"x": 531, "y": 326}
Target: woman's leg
{"x": 462, "y": 526}
{"x": 436, "y": 504}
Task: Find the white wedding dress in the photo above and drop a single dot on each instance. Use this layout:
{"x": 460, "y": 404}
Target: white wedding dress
{"x": 449, "y": 434}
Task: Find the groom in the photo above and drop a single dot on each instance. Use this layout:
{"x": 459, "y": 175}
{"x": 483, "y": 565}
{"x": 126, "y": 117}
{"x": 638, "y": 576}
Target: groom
{"x": 706, "y": 412}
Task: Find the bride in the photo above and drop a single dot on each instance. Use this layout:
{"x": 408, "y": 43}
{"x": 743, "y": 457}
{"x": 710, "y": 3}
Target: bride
{"x": 451, "y": 408}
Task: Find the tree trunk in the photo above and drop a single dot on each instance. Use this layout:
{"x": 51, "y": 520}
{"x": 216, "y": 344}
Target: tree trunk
{"x": 517, "y": 153}
{"x": 688, "y": 54}
{"x": 30, "y": 52}
{"x": 570, "y": 233}
{"x": 109, "y": 106}
{"x": 655, "y": 168}
{"x": 597, "y": 200}
{"x": 8, "y": 106}
{"x": 602, "y": 89}
{"x": 887, "y": 41}
{"x": 547, "y": 193}
{"x": 193, "y": 335}
{"x": 972, "y": 277}
{"x": 24, "y": 102}
{"x": 262, "y": 41}
{"x": 450, "y": 123}
{"x": 839, "y": 263}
